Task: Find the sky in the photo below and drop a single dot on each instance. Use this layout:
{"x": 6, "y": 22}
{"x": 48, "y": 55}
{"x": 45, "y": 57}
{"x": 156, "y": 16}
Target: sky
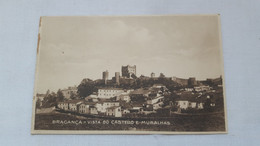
{"x": 74, "y": 48}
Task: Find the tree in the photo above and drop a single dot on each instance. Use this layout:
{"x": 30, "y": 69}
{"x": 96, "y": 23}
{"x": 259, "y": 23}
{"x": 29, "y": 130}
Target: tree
{"x": 49, "y": 100}
{"x": 162, "y": 75}
{"x": 60, "y": 96}
{"x": 73, "y": 95}
{"x": 38, "y": 103}
{"x": 47, "y": 92}
{"x": 86, "y": 88}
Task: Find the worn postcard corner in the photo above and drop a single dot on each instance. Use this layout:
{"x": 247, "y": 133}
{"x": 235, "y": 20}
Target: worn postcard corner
{"x": 129, "y": 75}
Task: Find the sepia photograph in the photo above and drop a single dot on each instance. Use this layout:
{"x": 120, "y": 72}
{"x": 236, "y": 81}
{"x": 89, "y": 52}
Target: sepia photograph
{"x": 129, "y": 75}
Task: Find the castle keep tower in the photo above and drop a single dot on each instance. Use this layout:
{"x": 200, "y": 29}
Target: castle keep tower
{"x": 105, "y": 76}
{"x": 117, "y": 77}
{"x": 128, "y": 71}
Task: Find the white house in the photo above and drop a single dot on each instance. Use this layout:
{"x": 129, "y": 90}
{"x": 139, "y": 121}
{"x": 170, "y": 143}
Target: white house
{"x": 183, "y": 104}
{"x": 189, "y": 103}
{"x": 63, "y": 105}
{"x": 83, "y": 108}
{"x": 124, "y": 97}
{"x": 153, "y": 100}
{"x": 114, "y": 111}
{"x": 200, "y": 105}
{"x": 92, "y": 98}
{"x": 109, "y": 92}
{"x": 157, "y": 105}
{"x": 93, "y": 110}
{"x": 73, "y": 104}
{"x": 125, "y": 111}
{"x": 102, "y": 106}
{"x": 158, "y": 86}
{"x": 188, "y": 89}
{"x": 202, "y": 88}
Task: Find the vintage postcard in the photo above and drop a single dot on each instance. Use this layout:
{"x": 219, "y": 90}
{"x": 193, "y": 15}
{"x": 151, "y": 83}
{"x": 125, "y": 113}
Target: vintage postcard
{"x": 129, "y": 75}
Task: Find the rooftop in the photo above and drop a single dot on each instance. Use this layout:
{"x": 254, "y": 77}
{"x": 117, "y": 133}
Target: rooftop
{"x": 113, "y": 107}
{"x": 72, "y": 101}
{"x": 91, "y": 96}
{"x": 111, "y": 88}
{"x": 88, "y": 103}
{"x": 155, "y": 97}
{"x": 158, "y": 85}
{"x": 188, "y": 99}
{"x": 141, "y": 91}
{"x": 136, "y": 104}
{"x": 193, "y": 98}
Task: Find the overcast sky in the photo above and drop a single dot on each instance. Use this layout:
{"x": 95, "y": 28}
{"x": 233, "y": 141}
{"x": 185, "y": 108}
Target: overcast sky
{"x": 73, "y": 48}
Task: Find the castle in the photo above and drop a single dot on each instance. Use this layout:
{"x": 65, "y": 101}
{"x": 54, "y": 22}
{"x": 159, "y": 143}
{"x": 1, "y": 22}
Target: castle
{"x": 128, "y": 71}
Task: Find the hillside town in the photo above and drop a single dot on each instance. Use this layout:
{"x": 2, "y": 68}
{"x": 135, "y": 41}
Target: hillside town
{"x": 127, "y": 95}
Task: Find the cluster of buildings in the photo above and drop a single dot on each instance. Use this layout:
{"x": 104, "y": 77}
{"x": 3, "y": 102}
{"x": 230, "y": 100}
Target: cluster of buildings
{"x": 195, "y": 98}
{"x": 202, "y": 88}
{"x": 189, "y": 102}
{"x": 108, "y": 108}
{"x": 118, "y": 102}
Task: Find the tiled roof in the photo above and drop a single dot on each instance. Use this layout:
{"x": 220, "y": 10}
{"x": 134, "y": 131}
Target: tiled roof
{"x": 140, "y": 91}
{"x": 193, "y": 98}
{"x": 136, "y": 104}
{"x": 154, "y": 97}
{"x": 113, "y": 107}
{"x": 158, "y": 85}
{"x": 111, "y": 88}
{"x": 72, "y": 101}
{"x": 88, "y": 103}
{"x": 106, "y": 100}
